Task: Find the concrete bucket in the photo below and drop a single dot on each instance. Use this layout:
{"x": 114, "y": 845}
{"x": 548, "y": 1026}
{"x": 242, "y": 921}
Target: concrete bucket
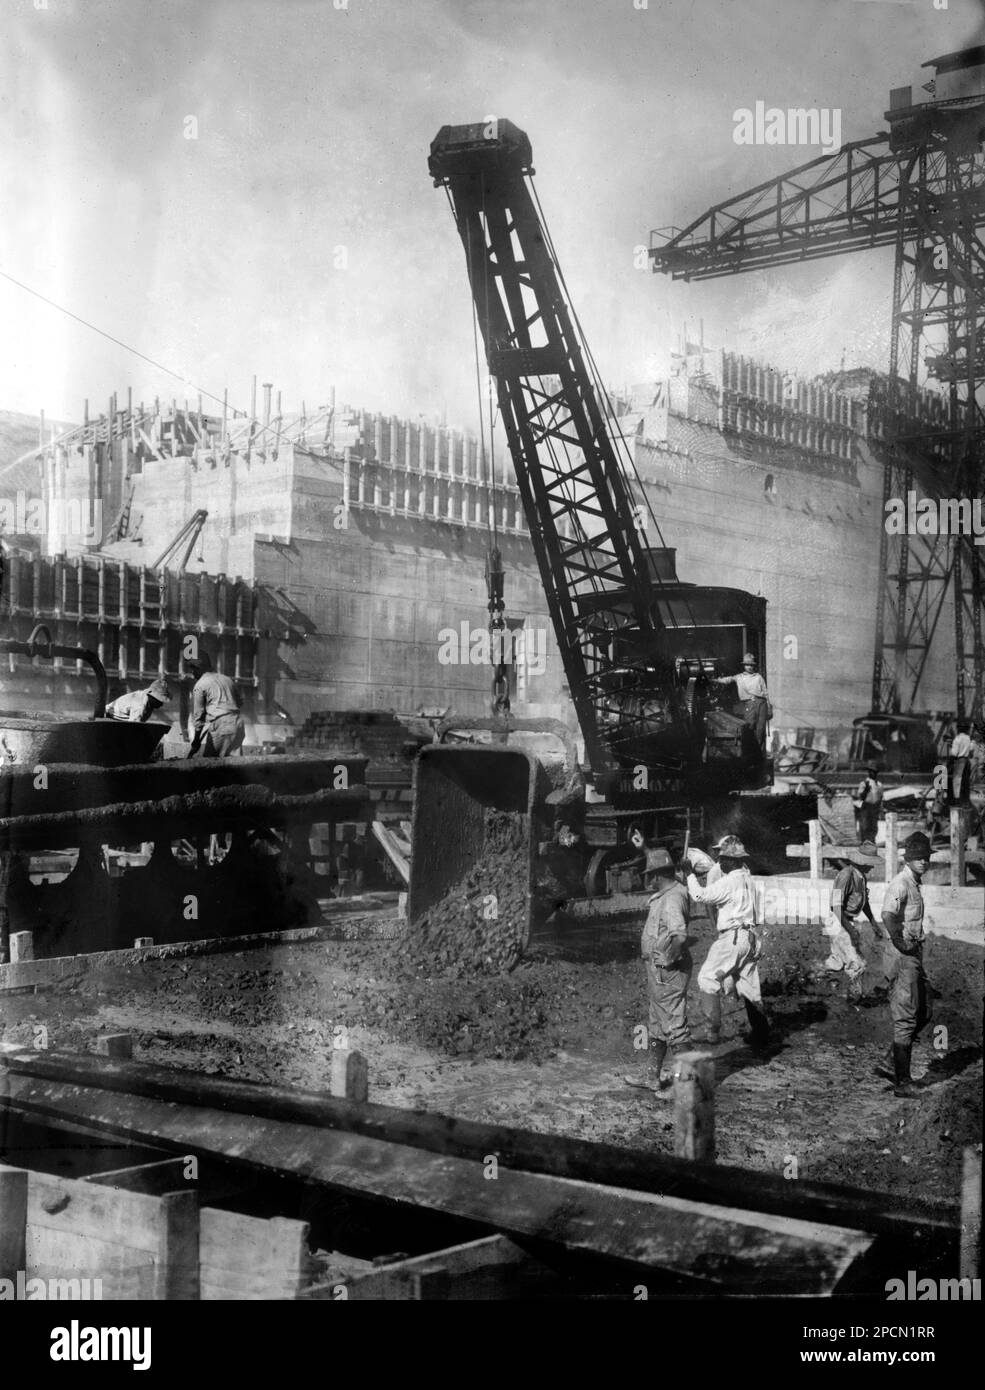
{"x": 471, "y": 805}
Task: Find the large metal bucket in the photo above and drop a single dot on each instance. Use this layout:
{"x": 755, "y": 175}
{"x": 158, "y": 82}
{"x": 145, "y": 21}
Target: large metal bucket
{"x": 95, "y": 742}
{"x": 453, "y": 790}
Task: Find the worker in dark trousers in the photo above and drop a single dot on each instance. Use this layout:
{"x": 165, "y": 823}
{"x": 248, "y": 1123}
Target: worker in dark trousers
{"x": 868, "y": 804}
{"x": 909, "y": 1002}
{"x": 849, "y": 901}
{"x": 668, "y": 967}
{"x": 216, "y": 718}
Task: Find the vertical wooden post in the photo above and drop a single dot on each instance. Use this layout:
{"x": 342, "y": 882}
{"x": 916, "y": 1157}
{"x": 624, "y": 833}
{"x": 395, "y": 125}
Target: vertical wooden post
{"x": 970, "y": 1259}
{"x": 892, "y": 846}
{"x": 817, "y": 861}
{"x": 176, "y": 1272}
{"x": 13, "y": 1221}
{"x": 694, "y": 1107}
{"x": 957, "y": 847}
{"x": 349, "y": 1075}
{"x": 21, "y": 946}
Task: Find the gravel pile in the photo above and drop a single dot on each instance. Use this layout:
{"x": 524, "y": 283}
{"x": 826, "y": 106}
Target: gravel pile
{"x": 479, "y": 926}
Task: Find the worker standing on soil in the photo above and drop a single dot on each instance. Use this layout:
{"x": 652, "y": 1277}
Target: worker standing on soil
{"x": 909, "y": 1001}
{"x": 849, "y": 902}
{"x": 731, "y": 964}
{"x": 137, "y": 706}
{"x": 868, "y": 803}
{"x": 216, "y": 718}
{"x": 959, "y": 763}
{"x": 668, "y": 966}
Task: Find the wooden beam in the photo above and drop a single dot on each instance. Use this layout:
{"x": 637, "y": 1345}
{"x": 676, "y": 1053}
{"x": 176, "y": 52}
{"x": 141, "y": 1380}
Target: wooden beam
{"x": 814, "y": 839}
{"x": 957, "y": 847}
{"x": 31, "y": 1073}
{"x": 717, "y": 1247}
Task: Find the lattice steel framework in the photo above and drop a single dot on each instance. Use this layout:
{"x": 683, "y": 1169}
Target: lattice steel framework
{"x": 921, "y": 190}
{"x": 584, "y": 523}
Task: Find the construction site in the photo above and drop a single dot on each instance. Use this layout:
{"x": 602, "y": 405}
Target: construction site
{"x": 345, "y": 756}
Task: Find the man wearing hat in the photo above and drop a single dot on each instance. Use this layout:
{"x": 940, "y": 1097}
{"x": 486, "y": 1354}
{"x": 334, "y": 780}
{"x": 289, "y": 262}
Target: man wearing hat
{"x": 731, "y": 964}
{"x": 663, "y": 947}
{"x": 751, "y": 690}
{"x": 849, "y": 901}
{"x": 868, "y": 803}
{"x": 218, "y": 724}
{"x": 909, "y": 1003}
{"x": 137, "y": 706}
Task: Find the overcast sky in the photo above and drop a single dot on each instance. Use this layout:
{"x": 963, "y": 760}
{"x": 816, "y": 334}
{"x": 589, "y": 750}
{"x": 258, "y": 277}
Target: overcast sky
{"x": 217, "y": 255}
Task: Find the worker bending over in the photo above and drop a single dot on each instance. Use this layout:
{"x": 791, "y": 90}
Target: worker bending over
{"x": 731, "y": 964}
{"x": 909, "y": 995}
{"x": 849, "y": 902}
{"x": 667, "y": 960}
{"x": 137, "y": 706}
{"x": 216, "y": 719}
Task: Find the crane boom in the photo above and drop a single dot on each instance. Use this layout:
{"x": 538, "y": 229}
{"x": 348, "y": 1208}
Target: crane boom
{"x": 584, "y": 523}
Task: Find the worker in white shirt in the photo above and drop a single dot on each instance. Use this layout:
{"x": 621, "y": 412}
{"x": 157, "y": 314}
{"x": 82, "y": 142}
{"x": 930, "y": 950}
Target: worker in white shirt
{"x": 960, "y": 763}
{"x": 751, "y": 690}
{"x": 731, "y": 964}
{"x": 137, "y": 706}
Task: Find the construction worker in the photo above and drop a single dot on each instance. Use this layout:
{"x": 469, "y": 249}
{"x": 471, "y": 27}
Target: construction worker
{"x": 751, "y": 690}
{"x": 667, "y": 960}
{"x": 868, "y": 803}
{"x": 216, "y": 719}
{"x": 959, "y": 763}
{"x": 849, "y": 902}
{"x": 731, "y": 964}
{"x": 137, "y": 706}
{"x": 909, "y": 1002}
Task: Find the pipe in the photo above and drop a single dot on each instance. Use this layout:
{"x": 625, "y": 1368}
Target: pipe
{"x": 35, "y": 647}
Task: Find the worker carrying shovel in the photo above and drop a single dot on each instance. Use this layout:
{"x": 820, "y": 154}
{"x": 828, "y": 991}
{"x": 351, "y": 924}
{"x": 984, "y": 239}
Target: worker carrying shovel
{"x": 732, "y": 963}
{"x": 137, "y": 706}
{"x": 216, "y": 719}
{"x": 668, "y": 967}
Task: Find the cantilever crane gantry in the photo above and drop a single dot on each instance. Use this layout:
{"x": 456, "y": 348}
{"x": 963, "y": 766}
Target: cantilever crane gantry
{"x": 919, "y": 188}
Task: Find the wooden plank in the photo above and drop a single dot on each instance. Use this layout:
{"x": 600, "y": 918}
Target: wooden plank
{"x": 814, "y": 841}
{"x": 125, "y": 1273}
{"x": 127, "y": 1219}
{"x": 490, "y": 1268}
{"x": 44, "y": 1081}
{"x": 971, "y": 1215}
{"x": 176, "y": 1275}
{"x": 718, "y": 1247}
{"x": 249, "y": 1257}
{"x": 957, "y": 848}
{"x": 694, "y": 1107}
{"x": 167, "y": 1175}
{"x": 13, "y": 1220}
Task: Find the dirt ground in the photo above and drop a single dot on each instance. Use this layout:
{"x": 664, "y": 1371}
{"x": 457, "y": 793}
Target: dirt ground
{"x": 547, "y": 1046}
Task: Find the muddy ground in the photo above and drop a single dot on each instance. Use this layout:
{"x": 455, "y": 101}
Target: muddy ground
{"x": 546, "y": 1046}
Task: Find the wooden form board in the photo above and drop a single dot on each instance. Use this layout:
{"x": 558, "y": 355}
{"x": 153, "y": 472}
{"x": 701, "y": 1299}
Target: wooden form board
{"x": 723, "y": 1249}
{"x": 147, "y": 1243}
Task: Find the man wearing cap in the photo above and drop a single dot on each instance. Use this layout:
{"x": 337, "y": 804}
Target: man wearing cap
{"x": 663, "y": 947}
{"x": 868, "y": 803}
{"x": 731, "y": 964}
{"x": 218, "y": 724}
{"x": 909, "y": 1002}
{"x": 751, "y": 690}
{"x": 137, "y": 706}
{"x": 849, "y": 901}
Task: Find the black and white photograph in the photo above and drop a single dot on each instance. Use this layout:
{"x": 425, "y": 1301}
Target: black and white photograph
{"x": 492, "y": 595}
